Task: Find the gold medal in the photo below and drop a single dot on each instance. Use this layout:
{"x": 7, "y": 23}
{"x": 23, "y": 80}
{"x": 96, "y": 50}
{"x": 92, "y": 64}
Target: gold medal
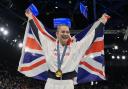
{"x": 58, "y": 73}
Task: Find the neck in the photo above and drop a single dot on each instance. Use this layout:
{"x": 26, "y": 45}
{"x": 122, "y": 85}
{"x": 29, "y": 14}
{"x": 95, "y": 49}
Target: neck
{"x": 63, "y": 43}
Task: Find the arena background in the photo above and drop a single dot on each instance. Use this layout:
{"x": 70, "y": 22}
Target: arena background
{"x": 13, "y": 22}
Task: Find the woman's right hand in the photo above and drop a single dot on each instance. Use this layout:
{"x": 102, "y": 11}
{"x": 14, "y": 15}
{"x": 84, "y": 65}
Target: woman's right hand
{"x": 104, "y": 18}
{"x": 28, "y": 14}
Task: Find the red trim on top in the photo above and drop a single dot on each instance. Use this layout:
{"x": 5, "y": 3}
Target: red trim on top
{"x": 28, "y": 68}
{"x": 41, "y": 29}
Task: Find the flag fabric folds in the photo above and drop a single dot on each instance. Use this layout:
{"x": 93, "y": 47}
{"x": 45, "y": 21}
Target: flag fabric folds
{"x": 92, "y": 65}
{"x": 33, "y": 63}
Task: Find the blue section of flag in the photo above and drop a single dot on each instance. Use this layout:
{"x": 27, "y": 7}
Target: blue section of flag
{"x": 29, "y": 57}
{"x": 42, "y": 76}
{"x": 99, "y": 30}
{"x": 30, "y": 31}
{"x": 80, "y": 35}
{"x": 85, "y": 76}
{"x": 100, "y": 59}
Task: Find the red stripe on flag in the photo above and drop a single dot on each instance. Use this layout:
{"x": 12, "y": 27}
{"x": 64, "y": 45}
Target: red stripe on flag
{"x": 96, "y": 47}
{"x": 33, "y": 44}
{"x": 92, "y": 68}
{"x": 28, "y": 68}
{"x": 42, "y": 29}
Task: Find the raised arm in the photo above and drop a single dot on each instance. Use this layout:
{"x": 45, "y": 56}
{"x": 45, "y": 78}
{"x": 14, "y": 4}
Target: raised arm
{"x": 38, "y": 30}
{"x": 87, "y": 40}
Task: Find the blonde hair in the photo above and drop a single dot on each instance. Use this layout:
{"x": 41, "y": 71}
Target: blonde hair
{"x": 58, "y": 27}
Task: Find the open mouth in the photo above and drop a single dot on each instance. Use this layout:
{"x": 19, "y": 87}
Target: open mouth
{"x": 65, "y": 36}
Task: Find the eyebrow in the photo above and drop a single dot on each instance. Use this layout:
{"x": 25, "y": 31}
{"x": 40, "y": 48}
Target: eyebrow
{"x": 66, "y": 31}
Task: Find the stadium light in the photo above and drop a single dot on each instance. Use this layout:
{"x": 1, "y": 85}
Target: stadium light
{"x": 116, "y": 47}
{"x": 113, "y": 57}
{"x": 56, "y": 7}
{"x": 5, "y": 32}
{"x": 118, "y": 57}
{"x": 20, "y": 45}
{"x": 96, "y": 82}
{"x": 118, "y": 37}
{"x": 15, "y": 40}
{"x": 70, "y": 2}
{"x": 92, "y": 83}
{"x": 1, "y": 29}
{"x": 123, "y": 57}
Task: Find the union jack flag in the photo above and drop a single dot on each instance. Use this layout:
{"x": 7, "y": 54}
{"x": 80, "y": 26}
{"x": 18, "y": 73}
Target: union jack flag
{"x": 33, "y": 63}
{"x": 92, "y": 65}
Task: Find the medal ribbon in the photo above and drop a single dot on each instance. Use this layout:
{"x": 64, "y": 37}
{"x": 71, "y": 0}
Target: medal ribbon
{"x": 60, "y": 61}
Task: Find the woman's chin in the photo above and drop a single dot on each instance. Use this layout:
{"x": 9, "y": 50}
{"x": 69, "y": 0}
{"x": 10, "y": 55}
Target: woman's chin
{"x": 65, "y": 41}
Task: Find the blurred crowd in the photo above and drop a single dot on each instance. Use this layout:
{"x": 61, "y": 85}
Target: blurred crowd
{"x": 12, "y": 79}
{"x": 8, "y": 81}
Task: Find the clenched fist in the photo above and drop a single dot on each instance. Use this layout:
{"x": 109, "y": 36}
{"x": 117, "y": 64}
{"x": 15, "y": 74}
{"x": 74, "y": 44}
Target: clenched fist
{"x": 28, "y": 14}
{"x": 104, "y": 18}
